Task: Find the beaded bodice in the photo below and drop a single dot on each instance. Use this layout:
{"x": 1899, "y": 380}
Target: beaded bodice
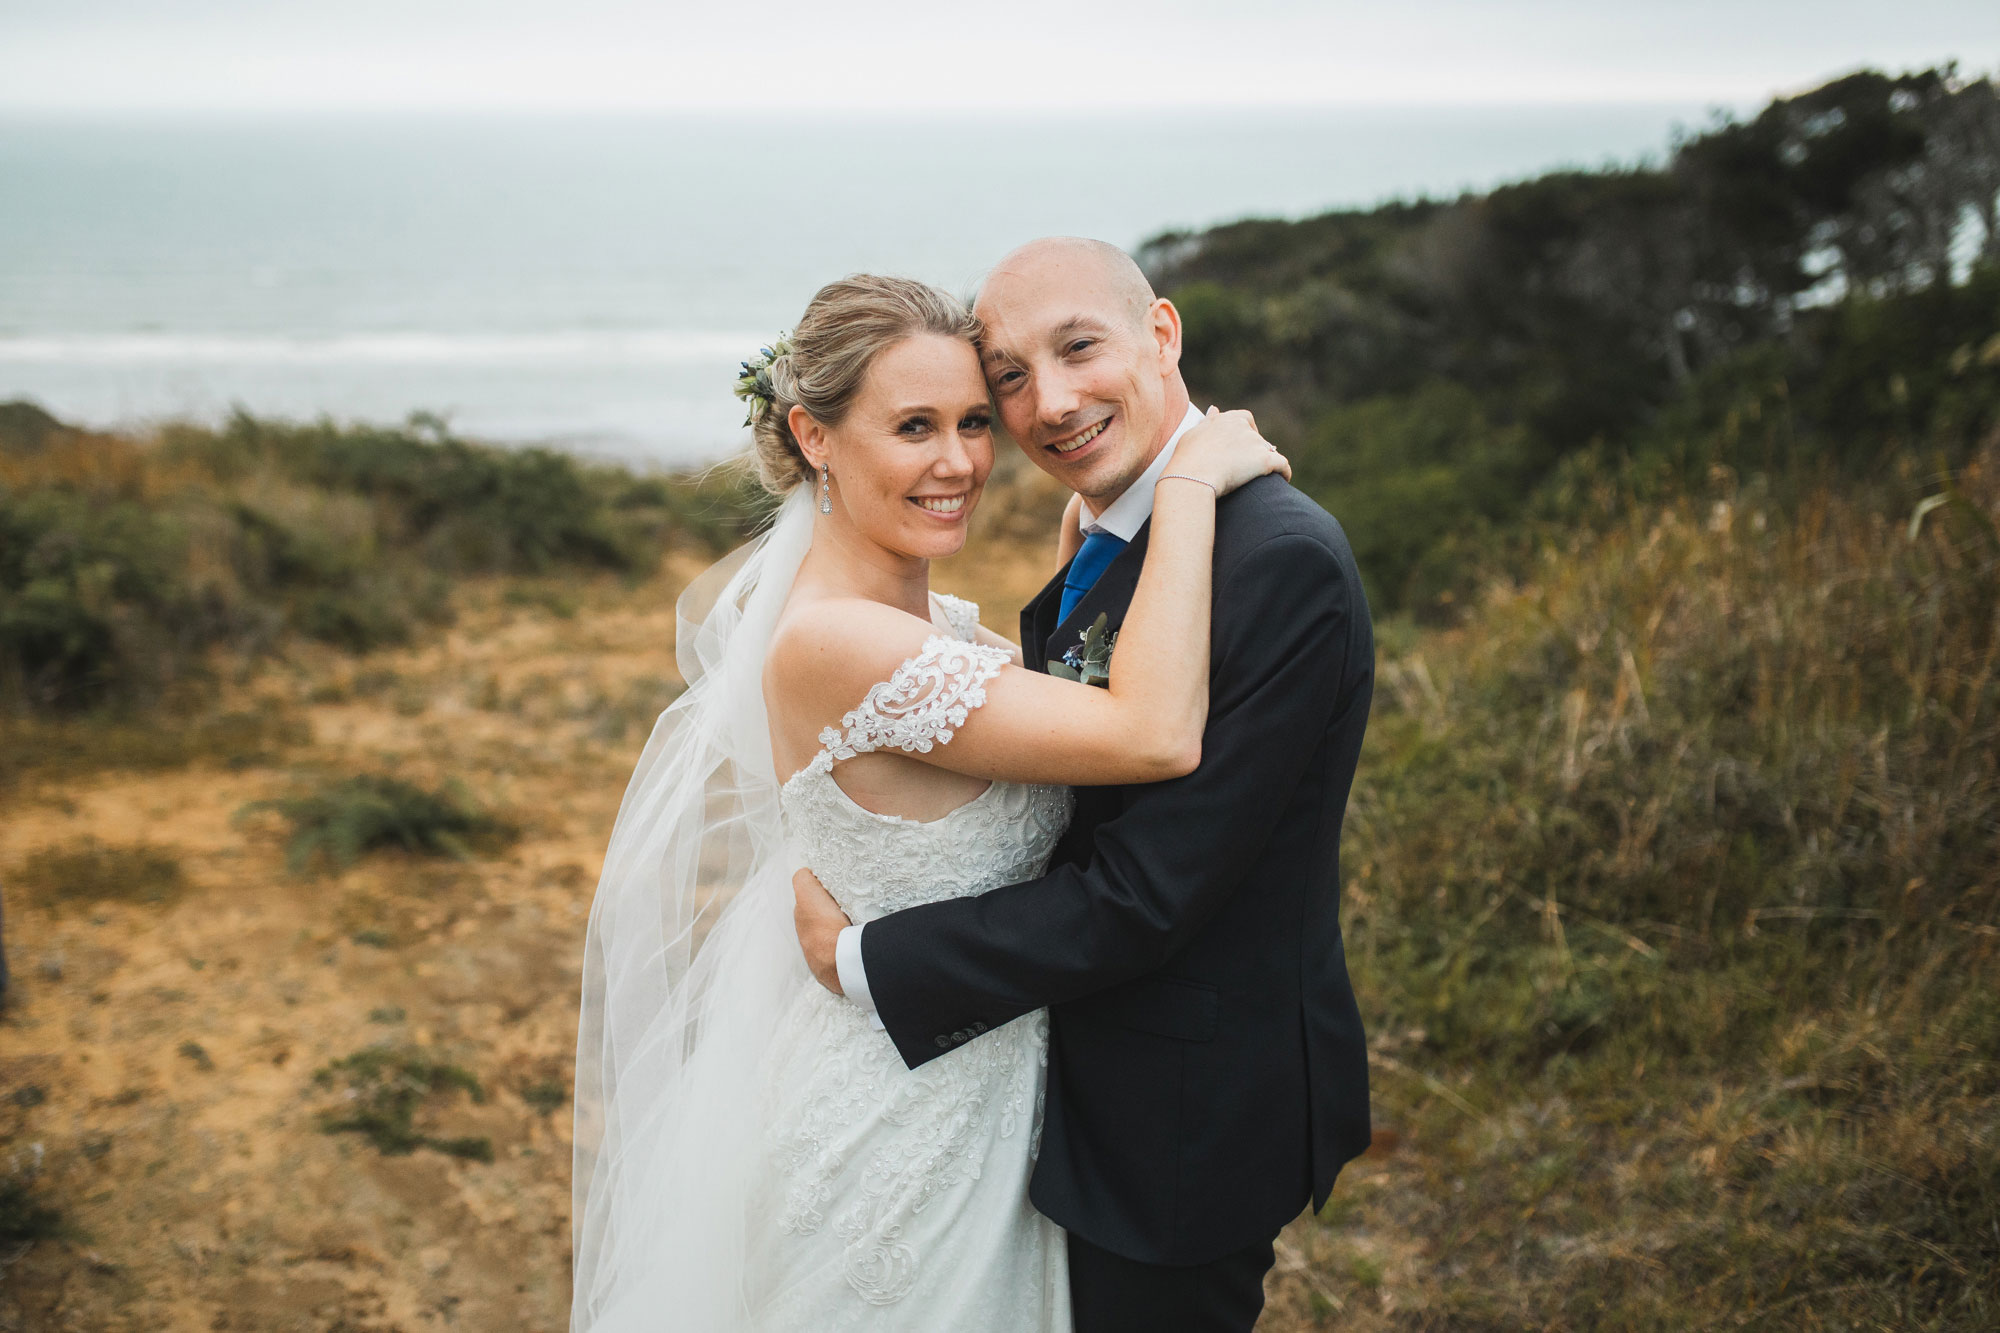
{"x": 874, "y": 864}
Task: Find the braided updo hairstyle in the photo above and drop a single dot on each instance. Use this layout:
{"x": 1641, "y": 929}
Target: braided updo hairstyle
{"x": 845, "y": 327}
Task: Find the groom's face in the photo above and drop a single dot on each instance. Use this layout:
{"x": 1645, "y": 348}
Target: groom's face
{"x": 1078, "y": 367}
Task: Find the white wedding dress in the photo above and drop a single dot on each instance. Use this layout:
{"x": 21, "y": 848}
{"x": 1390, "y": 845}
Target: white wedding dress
{"x": 749, "y": 1152}
{"x": 897, "y": 1199}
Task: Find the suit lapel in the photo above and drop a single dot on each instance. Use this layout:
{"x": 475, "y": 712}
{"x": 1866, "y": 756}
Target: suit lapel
{"x": 1038, "y": 621}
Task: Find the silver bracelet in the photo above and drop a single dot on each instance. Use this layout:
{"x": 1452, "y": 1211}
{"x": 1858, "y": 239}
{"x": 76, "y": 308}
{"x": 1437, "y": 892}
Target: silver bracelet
{"x": 1182, "y": 476}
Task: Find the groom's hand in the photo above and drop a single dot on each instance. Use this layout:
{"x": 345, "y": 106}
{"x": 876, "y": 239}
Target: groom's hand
{"x": 819, "y": 921}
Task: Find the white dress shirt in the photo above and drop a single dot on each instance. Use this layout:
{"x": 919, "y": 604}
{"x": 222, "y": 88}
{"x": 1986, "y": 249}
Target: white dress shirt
{"x": 1122, "y": 518}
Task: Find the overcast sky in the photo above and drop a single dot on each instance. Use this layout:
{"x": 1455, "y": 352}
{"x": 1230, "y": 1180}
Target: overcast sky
{"x": 908, "y": 54}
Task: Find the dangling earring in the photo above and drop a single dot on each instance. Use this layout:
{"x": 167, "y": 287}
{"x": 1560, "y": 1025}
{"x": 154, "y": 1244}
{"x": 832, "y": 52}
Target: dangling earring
{"x": 825, "y": 491}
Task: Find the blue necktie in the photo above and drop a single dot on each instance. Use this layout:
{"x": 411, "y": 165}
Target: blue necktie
{"x": 1099, "y": 549}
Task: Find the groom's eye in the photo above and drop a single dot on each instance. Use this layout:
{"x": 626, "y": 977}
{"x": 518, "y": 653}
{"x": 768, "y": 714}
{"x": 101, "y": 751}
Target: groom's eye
{"x": 1080, "y": 344}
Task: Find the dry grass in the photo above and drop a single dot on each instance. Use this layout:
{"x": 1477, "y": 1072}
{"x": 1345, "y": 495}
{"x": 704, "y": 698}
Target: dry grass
{"x": 1675, "y": 908}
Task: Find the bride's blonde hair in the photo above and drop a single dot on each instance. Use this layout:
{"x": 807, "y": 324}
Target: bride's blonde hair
{"x": 845, "y": 327}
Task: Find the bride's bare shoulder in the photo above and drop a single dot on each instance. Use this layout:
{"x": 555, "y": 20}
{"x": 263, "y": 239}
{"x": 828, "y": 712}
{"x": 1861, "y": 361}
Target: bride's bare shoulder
{"x": 834, "y": 648}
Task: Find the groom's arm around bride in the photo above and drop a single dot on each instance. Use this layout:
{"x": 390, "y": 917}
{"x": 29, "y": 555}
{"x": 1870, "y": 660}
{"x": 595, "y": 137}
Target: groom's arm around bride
{"x": 1206, "y": 1051}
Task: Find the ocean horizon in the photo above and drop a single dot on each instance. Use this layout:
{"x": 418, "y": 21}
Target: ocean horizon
{"x": 589, "y": 282}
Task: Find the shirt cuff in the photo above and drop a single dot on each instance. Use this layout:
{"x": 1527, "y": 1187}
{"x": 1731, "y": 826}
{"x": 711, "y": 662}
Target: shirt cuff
{"x": 854, "y": 977}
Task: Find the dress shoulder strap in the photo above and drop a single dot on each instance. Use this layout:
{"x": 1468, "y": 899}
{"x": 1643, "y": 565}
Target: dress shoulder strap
{"x": 961, "y": 615}
{"x": 922, "y": 704}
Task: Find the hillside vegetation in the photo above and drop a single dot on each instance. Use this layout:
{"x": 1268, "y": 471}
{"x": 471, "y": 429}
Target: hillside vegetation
{"x": 1814, "y": 287}
{"x": 1675, "y": 913}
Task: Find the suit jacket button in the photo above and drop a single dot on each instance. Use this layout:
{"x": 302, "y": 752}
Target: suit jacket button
{"x": 943, "y": 1042}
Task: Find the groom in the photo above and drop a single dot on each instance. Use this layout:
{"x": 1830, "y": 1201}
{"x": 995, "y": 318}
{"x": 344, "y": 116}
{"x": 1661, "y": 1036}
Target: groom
{"x": 1207, "y": 1070}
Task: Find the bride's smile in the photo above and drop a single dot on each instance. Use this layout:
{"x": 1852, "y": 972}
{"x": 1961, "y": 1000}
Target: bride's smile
{"x": 948, "y": 507}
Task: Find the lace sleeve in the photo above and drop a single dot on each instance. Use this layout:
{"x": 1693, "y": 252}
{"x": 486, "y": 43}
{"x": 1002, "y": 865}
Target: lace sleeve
{"x": 922, "y": 704}
{"x": 961, "y": 615}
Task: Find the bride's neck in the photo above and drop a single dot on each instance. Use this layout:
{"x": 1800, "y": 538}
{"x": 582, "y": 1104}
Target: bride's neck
{"x": 847, "y": 562}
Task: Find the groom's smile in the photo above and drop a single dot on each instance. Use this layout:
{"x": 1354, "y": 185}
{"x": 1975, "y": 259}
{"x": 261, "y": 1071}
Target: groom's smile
{"x": 1069, "y": 446}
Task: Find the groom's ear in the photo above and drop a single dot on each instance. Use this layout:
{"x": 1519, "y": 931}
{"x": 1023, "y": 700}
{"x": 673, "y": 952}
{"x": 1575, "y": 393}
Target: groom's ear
{"x": 1164, "y": 323}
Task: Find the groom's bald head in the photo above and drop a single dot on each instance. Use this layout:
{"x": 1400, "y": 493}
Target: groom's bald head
{"x": 1083, "y": 361}
{"x": 1075, "y": 260}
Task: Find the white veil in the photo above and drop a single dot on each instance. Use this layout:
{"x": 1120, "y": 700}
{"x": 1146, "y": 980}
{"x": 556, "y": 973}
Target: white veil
{"x": 669, "y": 1039}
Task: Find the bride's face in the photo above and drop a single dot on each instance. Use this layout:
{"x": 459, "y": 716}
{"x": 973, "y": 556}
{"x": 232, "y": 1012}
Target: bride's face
{"x": 913, "y": 454}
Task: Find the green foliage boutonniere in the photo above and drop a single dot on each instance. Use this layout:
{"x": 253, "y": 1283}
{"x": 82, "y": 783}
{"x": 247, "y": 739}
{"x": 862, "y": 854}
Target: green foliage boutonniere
{"x": 1090, "y": 660}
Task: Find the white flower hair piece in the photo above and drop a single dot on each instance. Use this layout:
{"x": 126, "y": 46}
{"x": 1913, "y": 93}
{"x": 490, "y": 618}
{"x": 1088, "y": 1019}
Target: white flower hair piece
{"x": 754, "y": 386}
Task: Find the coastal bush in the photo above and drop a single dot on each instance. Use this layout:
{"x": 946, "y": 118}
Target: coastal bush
{"x": 88, "y": 592}
{"x": 125, "y": 565}
{"x": 349, "y": 817}
{"x": 463, "y": 508}
{"x": 382, "y": 1088}
{"x": 26, "y": 428}
{"x": 1814, "y": 288}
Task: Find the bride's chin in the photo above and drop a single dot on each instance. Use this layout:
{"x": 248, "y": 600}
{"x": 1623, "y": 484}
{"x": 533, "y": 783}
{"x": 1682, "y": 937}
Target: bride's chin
{"x": 939, "y": 546}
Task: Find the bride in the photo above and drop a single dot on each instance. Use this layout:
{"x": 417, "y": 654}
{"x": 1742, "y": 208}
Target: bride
{"x": 751, "y": 1153}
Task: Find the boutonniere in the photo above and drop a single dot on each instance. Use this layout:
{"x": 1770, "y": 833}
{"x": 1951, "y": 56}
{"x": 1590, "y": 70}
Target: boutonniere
{"x": 1090, "y": 660}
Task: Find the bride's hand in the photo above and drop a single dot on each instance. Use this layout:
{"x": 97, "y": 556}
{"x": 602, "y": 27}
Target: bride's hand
{"x": 1226, "y": 451}
{"x": 1069, "y": 540}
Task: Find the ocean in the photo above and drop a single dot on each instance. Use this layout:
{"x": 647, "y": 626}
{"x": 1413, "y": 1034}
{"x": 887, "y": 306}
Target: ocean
{"x": 590, "y": 282}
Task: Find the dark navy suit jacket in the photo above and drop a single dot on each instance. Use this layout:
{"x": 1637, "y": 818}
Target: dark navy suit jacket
{"x": 1207, "y": 1069}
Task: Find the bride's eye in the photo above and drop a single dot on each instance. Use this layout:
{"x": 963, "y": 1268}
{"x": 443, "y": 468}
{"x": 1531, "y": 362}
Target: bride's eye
{"x": 914, "y": 426}
{"x": 976, "y": 421}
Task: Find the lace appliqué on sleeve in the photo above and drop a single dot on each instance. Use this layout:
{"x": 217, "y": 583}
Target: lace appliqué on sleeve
{"x": 922, "y": 704}
{"x": 961, "y": 615}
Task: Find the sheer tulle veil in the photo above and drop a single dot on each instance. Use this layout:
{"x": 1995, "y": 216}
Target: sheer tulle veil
{"x": 671, "y": 1035}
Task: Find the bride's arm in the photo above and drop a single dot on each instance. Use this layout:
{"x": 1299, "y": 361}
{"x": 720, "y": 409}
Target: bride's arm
{"x": 1069, "y": 539}
{"x": 1034, "y": 728}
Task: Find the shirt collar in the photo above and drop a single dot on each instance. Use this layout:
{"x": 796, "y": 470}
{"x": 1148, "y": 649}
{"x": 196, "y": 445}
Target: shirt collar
{"x": 1123, "y": 517}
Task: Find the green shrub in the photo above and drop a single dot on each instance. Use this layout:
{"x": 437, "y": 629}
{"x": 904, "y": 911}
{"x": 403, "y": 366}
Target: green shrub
{"x": 461, "y": 507}
{"x": 25, "y": 428}
{"x": 88, "y": 872}
{"x": 23, "y": 1214}
{"x": 351, "y": 816}
{"x": 237, "y": 739}
{"x": 546, "y": 1096}
{"x": 91, "y": 607}
{"x": 1412, "y": 474}
{"x": 384, "y": 1087}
